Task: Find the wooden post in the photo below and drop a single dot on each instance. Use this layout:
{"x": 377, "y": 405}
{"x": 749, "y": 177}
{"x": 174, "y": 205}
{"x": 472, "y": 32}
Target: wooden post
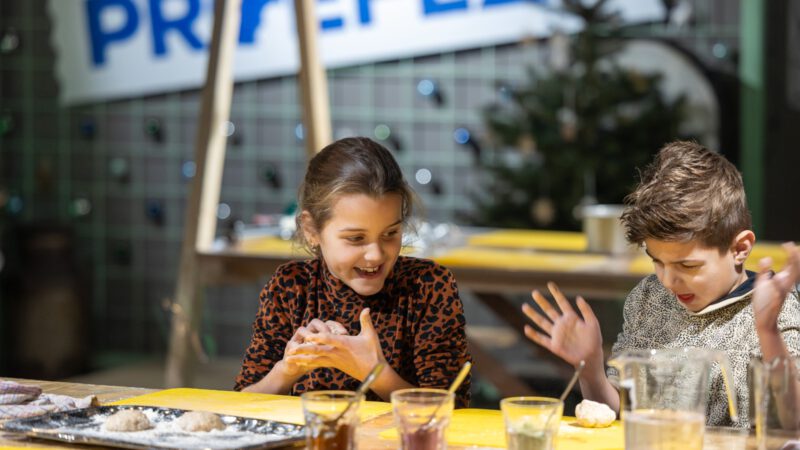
{"x": 201, "y": 210}
{"x": 313, "y": 80}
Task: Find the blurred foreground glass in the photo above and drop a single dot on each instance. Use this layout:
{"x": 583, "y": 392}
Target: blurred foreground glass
{"x": 323, "y": 431}
{"x": 663, "y": 396}
{"x": 422, "y": 416}
{"x": 775, "y": 402}
{"x": 531, "y": 422}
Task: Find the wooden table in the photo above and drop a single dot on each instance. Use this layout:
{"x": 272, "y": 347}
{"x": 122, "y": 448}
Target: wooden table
{"x": 716, "y": 438}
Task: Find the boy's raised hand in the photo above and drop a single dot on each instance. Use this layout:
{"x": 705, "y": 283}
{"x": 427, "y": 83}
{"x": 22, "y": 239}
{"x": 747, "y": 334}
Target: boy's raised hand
{"x": 565, "y": 333}
{"x": 771, "y": 289}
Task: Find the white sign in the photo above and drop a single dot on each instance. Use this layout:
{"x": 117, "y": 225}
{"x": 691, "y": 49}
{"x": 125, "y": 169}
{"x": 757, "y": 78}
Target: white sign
{"x": 122, "y": 48}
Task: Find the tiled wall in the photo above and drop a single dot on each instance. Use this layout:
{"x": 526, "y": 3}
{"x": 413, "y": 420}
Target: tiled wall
{"x": 101, "y": 156}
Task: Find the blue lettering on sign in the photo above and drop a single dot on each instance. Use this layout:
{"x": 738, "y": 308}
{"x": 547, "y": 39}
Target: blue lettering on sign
{"x": 99, "y": 37}
{"x": 251, "y": 19}
{"x": 440, "y": 6}
{"x": 182, "y": 25}
{"x": 364, "y": 15}
{"x": 505, "y": 2}
{"x": 331, "y": 23}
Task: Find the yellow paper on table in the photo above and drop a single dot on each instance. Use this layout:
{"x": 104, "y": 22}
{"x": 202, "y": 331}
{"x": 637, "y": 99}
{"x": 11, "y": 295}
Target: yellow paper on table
{"x": 282, "y": 408}
{"x": 485, "y": 428}
{"x": 272, "y": 245}
{"x": 517, "y": 260}
{"x": 530, "y": 239}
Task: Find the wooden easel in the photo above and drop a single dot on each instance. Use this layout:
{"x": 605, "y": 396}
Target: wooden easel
{"x": 201, "y": 212}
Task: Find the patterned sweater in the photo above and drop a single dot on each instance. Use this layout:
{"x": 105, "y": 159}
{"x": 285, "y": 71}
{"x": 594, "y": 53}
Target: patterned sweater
{"x": 418, "y": 316}
{"x": 653, "y": 319}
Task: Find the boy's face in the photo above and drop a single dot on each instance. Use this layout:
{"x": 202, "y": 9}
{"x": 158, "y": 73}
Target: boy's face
{"x": 696, "y": 274}
{"x": 362, "y": 240}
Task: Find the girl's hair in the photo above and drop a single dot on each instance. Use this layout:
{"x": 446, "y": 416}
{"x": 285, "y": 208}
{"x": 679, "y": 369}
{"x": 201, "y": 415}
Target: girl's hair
{"x": 687, "y": 193}
{"x": 353, "y": 165}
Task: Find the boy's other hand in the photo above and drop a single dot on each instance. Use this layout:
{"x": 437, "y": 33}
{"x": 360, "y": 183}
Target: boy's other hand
{"x": 771, "y": 289}
{"x": 564, "y": 332}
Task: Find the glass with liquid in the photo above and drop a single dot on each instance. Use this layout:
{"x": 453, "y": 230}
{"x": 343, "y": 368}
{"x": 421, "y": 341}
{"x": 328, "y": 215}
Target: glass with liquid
{"x": 326, "y": 427}
{"x": 663, "y": 429}
{"x": 422, "y": 416}
{"x": 531, "y": 422}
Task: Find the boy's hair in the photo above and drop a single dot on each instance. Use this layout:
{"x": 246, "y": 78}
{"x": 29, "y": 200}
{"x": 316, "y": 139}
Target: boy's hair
{"x": 353, "y": 165}
{"x": 687, "y": 193}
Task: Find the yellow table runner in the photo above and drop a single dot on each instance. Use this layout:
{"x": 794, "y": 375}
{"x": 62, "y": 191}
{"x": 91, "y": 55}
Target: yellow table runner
{"x": 518, "y": 260}
{"x": 514, "y": 249}
{"x": 530, "y": 239}
{"x": 282, "y": 408}
{"x": 485, "y": 428}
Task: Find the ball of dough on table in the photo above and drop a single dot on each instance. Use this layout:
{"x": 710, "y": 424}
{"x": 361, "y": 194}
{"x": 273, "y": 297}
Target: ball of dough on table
{"x": 200, "y": 421}
{"x": 127, "y": 420}
{"x": 594, "y": 415}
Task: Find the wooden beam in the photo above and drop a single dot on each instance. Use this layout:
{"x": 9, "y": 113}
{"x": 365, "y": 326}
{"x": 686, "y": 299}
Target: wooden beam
{"x": 201, "y": 211}
{"x": 313, "y": 80}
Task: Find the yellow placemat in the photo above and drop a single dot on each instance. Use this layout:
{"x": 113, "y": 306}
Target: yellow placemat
{"x": 484, "y": 428}
{"x": 530, "y": 239}
{"x": 517, "y": 260}
{"x": 270, "y": 245}
{"x": 281, "y": 408}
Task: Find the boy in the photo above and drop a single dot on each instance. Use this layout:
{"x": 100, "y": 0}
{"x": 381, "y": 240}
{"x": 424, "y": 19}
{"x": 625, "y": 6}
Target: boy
{"x": 690, "y": 215}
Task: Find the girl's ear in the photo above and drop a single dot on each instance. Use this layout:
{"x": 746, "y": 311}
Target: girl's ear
{"x": 743, "y": 245}
{"x": 309, "y": 230}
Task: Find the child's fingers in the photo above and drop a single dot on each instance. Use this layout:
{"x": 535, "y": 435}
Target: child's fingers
{"x": 561, "y": 300}
{"x": 317, "y": 326}
{"x": 335, "y": 327}
{"x": 308, "y": 360}
{"x": 545, "y": 305}
{"x": 332, "y": 340}
{"x": 793, "y": 263}
{"x": 539, "y": 338}
{"x": 310, "y": 349}
{"x": 586, "y": 310}
{"x": 300, "y": 335}
{"x": 537, "y": 318}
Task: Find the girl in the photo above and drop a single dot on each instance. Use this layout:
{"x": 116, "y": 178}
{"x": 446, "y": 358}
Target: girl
{"x": 324, "y": 323}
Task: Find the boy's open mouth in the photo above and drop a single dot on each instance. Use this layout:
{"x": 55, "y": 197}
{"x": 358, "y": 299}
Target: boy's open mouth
{"x": 685, "y": 298}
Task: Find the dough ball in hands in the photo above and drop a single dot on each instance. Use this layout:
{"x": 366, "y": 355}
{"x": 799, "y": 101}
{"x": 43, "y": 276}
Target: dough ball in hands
{"x": 594, "y": 415}
{"x": 200, "y": 421}
{"x": 127, "y": 420}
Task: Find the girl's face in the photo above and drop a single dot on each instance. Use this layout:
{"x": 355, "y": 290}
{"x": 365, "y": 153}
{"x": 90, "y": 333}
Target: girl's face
{"x": 361, "y": 241}
{"x": 696, "y": 274}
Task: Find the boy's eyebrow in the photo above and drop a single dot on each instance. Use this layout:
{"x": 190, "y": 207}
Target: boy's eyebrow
{"x": 399, "y": 221}
{"x": 674, "y": 262}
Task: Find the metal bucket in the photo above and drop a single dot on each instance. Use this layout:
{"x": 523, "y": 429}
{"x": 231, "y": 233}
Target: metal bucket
{"x": 603, "y": 230}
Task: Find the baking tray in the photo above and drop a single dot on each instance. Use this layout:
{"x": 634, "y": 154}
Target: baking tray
{"x": 85, "y": 426}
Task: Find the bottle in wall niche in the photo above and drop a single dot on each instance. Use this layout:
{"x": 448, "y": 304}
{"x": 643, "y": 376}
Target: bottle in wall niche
{"x": 48, "y": 308}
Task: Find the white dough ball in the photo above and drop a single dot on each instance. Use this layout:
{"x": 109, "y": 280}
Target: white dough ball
{"x": 127, "y": 420}
{"x": 594, "y": 415}
{"x": 200, "y": 421}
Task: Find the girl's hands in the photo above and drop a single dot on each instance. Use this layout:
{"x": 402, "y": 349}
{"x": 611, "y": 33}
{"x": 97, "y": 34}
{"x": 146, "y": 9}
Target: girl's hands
{"x": 353, "y": 355}
{"x": 299, "y": 339}
{"x": 564, "y": 333}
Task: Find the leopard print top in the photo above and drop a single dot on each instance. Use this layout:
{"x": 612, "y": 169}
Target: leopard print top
{"x": 418, "y": 316}
{"x": 653, "y": 319}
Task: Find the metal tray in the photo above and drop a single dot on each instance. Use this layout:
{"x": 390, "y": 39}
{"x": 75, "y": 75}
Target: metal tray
{"x": 85, "y": 426}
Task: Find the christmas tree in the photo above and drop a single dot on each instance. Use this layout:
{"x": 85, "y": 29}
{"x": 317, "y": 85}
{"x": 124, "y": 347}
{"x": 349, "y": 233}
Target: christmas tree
{"x": 575, "y": 133}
